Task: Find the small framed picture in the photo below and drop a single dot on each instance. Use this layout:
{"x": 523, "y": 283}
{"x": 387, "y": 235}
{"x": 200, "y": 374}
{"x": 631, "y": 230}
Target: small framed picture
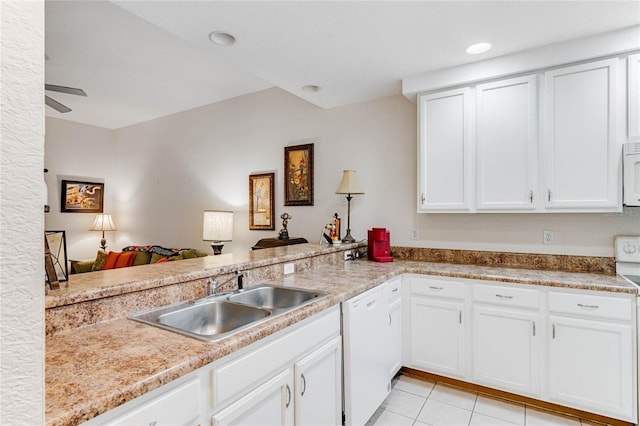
{"x": 81, "y": 197}
{"x": 298, "y": 175}
{"x": 261, "y": 201}
{"x": 58, "y": 250}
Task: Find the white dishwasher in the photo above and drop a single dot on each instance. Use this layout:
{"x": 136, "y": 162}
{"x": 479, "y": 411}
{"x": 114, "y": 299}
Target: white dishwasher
{"x": 366, "y": 373}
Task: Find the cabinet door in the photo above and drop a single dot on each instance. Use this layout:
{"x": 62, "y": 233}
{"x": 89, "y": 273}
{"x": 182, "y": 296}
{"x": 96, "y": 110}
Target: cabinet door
{"x": 395, "y": 337}
{"x": 437, "y": 336}
{"x": 506, "y": 144}
{"x": 269, "y": 404}
{"x": 318, "y": 387}
{"x": 633, "y": 97}
{"x": 591, "y": 367}
{"x": 444, "y": 151}
{"x": 581, "y": 144}
{"x": 506, "y": 349}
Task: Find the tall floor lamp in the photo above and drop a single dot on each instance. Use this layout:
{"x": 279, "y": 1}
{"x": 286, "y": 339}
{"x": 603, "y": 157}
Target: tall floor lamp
{"x": 103, "y": 222}
{"x": 349, "y": 186}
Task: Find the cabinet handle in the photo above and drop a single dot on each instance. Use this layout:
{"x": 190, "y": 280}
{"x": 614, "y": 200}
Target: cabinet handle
{"x": 502, "y": 296}
{"x": 288, "y": 397}
{"x": 588, "y": 306}
{"x": 395, "y": 290}
{"x": 422, "y": 198}
{"x": 304, "y": 384}
{"x": 435, "y": 288}
{"x": 534, "y": 328}
{"x": 372, "y": 303}
{"x": 548, "y": 195}
{"x": 531, "y": 196}
{"x": 553, "y": 331}
{"x": 153, "y": 423}
{"x": 460, "y": 317}
{"x": 389, "y": 320}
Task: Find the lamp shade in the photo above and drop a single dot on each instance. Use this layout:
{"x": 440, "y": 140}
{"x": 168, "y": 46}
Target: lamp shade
{"x": 349, "y": 183}
{"x": 103, "y": 222}
{"x": 217, "y": 225}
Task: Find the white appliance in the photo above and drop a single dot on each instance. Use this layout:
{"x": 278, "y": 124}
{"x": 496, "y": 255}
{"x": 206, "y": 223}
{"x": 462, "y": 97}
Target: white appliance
{"x": 366, "y": 375}
{"x": 628, "y": 266}
{"x": 631, "y": 171}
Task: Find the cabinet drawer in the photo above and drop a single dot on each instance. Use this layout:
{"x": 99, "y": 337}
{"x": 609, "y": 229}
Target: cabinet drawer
{"x": 591, "y": 305}
{"x": 437, "y": 287}
{"x": 162, "y": 410}
{"x": 234, "y": 378}
{"x": 392, "y": 289}
{"x": 507, "y": 296}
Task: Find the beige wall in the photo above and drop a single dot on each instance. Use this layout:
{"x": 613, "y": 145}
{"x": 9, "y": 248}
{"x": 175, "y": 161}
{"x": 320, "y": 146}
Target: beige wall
{"x": 21, "y": 213}
{"x": 163, "y": 173}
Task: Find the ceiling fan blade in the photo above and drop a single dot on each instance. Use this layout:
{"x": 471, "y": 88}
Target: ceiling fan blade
{"x": 56, "y": 105}
{"x": 64, "y": 89}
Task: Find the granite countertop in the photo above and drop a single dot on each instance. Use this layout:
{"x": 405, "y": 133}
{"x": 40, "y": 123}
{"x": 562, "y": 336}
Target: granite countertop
{"x": 92, "y": 369}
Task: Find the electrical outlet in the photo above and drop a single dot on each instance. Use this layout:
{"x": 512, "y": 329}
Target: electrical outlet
{"x": 547, "y": 237}
{"x": 289, "y": 268}
{"x": 414, "y": 234}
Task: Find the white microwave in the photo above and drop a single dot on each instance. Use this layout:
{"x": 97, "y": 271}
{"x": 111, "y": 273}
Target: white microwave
{"x": 631, "y": 171}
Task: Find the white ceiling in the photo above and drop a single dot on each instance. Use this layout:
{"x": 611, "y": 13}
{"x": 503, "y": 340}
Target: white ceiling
{"x": 139, "y": 60}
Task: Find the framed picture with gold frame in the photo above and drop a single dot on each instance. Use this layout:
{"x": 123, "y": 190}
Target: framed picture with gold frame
{"x": 261, "y": 202}
{"x": 298, "y": 175}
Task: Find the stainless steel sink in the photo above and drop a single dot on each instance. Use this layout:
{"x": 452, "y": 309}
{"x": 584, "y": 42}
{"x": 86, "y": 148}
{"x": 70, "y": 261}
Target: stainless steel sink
{"x": 207, "y": 319}
{"x": 216, "y": 317}
{"x": 271, "y": 297}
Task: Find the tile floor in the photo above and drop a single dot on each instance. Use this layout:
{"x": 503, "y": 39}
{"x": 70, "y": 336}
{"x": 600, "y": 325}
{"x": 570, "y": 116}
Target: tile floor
{"x": 415, "y": 402}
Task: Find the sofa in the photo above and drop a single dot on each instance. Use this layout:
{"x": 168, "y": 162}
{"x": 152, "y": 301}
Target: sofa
{"x": 133, "y": 256}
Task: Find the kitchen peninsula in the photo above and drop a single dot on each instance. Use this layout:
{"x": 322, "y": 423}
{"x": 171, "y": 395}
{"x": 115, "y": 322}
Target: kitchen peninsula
{"x": 97, "y": 359}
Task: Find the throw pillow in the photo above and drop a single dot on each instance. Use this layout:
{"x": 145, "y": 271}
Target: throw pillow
{"x": 125, "y": 259}
{"x": 155, "y": 258}
{"x": 201, "y": 254}
{"x": 142, "y": 258}
{"x": 176, "y": 257}
{"x": 112, "y": 258}
{"x": 163, "y": 260}
{"x": 189, "y": 254}
{"x": 101, "y": 259}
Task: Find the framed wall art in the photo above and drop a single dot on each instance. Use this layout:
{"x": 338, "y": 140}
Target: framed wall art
{"x": 298, "y": 175}
{"x": 261, "y": 201}
{"x": 81, "y": 197}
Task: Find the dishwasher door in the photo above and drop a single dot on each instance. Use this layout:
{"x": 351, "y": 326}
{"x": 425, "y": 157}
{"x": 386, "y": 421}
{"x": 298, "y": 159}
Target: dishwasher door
{"x": 366, "y": 376}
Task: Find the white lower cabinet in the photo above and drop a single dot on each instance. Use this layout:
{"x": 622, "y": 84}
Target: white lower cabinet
{"x": 294, "y": 380}
{"x": 591, "y": 357}
{"x": 318, "y": 386}
{"x": 575, "y": 348}
{"x": 506, "y": 342}
{"x": 437, "y": 327}
{"x": 270, "y": 404}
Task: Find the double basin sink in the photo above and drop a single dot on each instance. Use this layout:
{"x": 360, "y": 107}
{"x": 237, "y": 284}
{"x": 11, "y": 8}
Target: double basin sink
{"x": 218, "y": 316}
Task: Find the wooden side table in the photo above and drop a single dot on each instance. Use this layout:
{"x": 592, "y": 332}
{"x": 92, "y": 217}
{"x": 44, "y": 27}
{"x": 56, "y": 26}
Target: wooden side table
{"x": 275, "y": 242}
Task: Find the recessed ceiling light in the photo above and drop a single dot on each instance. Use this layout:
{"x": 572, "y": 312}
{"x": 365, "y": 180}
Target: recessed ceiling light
{"x": 478, "y": 48}
{"x": 312, "y": 88}
{"x": 222, "y": 38}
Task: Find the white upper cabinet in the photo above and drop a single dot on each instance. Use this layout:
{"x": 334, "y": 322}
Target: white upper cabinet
{"x": 548, "y": 142}
{"x": 581, "y": 149}
{"x": 506, "y": 144}
{"x": 444, "y": 151}
{"x": 633, "y": 99}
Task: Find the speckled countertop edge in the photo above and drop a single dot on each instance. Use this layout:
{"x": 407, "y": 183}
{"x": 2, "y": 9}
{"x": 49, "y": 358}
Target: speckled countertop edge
{"x": 99, "y": 367}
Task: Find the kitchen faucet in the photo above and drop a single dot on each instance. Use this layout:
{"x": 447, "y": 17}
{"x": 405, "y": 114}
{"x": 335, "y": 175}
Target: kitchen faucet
{"x": 214, "y": 286}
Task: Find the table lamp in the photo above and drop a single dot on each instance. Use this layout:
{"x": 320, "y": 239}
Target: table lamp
{"x": 103, "y": 222}
{"x": 349, "y": 185}
{"x": 217, "y": 227}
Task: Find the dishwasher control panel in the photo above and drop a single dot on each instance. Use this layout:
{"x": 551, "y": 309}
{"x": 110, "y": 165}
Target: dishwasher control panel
{"x": 628, "y": 248}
